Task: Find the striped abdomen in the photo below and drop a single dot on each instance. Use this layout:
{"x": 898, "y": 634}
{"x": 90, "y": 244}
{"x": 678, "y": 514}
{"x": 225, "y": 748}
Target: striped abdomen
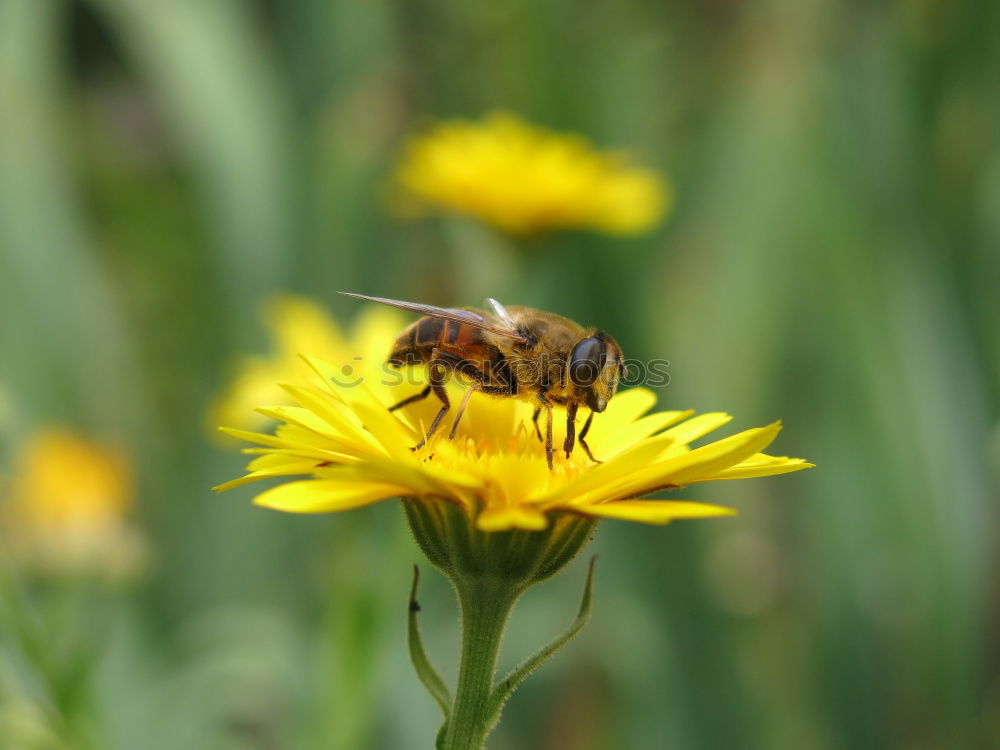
{"x": 461, "y": 348}
{"x": 417, "y": 343}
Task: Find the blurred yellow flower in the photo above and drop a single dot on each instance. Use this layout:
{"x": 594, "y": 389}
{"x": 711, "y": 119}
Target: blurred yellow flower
{"x": 297, "y": 325}
{"x": 67, "y": 507}
{"x": 525, "y": 179}
{"x": 356, "y": 452}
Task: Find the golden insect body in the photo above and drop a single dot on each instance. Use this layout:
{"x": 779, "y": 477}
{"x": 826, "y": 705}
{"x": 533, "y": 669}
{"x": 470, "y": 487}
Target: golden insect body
{"x": 510, "y": 352}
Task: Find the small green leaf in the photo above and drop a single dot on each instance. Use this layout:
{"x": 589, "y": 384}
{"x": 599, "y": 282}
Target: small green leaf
{"x": 507, "y": 686}
{"x": 425, "y": 670}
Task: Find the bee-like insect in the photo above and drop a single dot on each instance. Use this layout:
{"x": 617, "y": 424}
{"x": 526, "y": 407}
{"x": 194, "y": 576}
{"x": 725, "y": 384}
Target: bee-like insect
{"x": 515, "y": 352}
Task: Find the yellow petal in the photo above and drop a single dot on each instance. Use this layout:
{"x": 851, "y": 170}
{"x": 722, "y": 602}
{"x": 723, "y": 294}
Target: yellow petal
{"x": 317, "y": 457}
{"x": 324, "y": 495}
{"x": 316, "y": 430}
{"x": 687, "y": 467}
{"x": 696, "y": 427}
{"x": 760, "y": 465}
{"x": 653, "y": 511}
{"x": 288, "y": 469}
{"x": 396, "y": 438}
{"x": 631, "y": 433}
{"x": 334, "y": 412}
{"x": 511, "y": 517}
{"x": 599, "y": 479}
{"x": 258, "y": 437}
{"x": 714, "y": 457}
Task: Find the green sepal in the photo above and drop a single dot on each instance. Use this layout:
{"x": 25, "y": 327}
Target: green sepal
{"x": 442, "y": 736}
{"x": 509, "y": 683}
{"x": 425, "y": 670}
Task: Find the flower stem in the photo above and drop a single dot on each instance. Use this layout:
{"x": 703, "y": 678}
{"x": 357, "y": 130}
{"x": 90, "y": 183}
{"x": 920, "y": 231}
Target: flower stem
{"x": 485, "y": 603}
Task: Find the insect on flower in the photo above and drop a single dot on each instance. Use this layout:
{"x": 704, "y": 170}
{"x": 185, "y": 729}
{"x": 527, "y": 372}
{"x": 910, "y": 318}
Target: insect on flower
{"x": 510, "y": 352}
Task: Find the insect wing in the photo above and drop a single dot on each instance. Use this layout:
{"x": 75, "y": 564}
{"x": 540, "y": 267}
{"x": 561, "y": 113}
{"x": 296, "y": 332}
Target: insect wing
{"x": 468, "y": 317}
{"x": 501, "y": 312}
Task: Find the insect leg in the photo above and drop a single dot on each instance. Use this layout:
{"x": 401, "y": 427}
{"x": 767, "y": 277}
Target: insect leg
{"x": 583, "y": 438}
{"x": 465, "y": 367}
{"x": 495, "y": 390}
{"x": 446, "y": 360}
{"x": 412, "y": 399}
{"x": 461, "y": 411}
{"x": 461, "y": 366}
{"x": 547, "y": 405}
{"x": 570, "y": 429}
{"x": 534, "y": 421}
{"x": 436, "y": 372}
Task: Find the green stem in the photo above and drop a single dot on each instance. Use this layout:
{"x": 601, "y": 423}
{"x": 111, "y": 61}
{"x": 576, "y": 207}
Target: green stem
{"x": 485, "y": 603}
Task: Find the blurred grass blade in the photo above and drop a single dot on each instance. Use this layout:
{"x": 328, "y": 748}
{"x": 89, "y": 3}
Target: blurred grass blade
{"x": 59, "y": 309}
{"x": 221, "y": 96}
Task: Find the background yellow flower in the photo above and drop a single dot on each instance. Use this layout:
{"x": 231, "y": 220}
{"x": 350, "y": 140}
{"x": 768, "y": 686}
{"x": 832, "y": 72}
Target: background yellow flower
{"x": 297, "y": 325}
{"x": 67, "y": 508}
{"x": 525, "y": 179}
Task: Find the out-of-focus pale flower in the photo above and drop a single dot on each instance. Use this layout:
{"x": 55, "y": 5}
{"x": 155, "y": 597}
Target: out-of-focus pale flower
{"x": 525, "y": 179}
{"x": 66, "y": 508}
{"x": 297, "y": 326}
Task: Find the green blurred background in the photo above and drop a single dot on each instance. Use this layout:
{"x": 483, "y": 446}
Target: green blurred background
{"x": 832, "y": 260}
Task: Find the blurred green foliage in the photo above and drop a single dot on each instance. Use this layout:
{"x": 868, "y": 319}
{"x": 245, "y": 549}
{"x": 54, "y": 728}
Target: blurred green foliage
{"x": 832, "y": 260}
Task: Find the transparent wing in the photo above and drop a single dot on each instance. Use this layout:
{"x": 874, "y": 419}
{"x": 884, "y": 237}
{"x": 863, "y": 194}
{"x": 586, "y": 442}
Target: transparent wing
{"x": 503, "y": 326}
{"x": 501, "y": 312}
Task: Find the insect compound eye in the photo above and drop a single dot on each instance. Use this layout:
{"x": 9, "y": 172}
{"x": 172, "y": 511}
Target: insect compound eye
{"x": 586, "y": 362}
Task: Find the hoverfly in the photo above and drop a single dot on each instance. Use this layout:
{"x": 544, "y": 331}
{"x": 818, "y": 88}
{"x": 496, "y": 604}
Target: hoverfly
{"x": 515, "y": 352}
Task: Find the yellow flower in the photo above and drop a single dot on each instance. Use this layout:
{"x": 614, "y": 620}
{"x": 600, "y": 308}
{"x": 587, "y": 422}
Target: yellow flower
{"x": 295, "y": 325}
{"x": 524, "y": 179}
{"x": 67, "y": 508}
{"x": 484, "y": 507}
{"x": 355, "y": 452}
